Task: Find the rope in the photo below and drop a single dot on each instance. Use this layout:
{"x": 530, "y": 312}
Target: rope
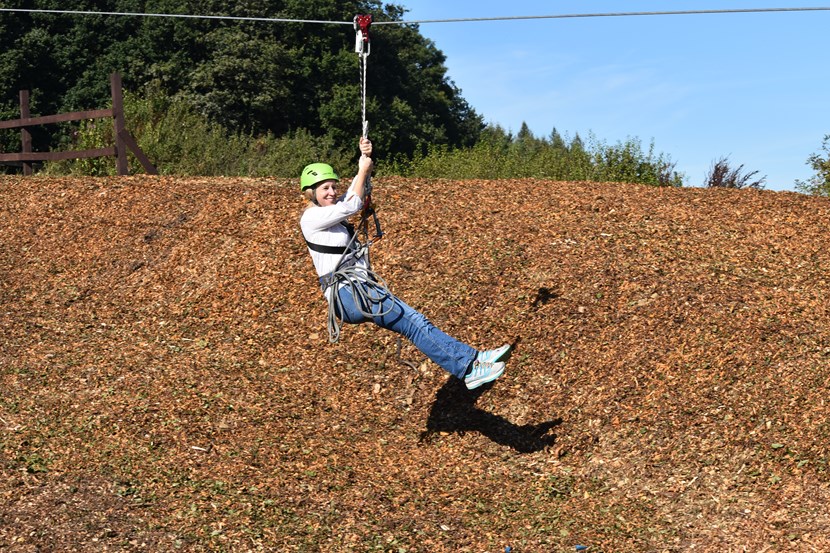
{"x": 367, "y": 289}
{"x": 364, "y": 66}
{"x": 363, "y": 48}
{"x": 374, "y": 291}
{"x": 366, "y": 286}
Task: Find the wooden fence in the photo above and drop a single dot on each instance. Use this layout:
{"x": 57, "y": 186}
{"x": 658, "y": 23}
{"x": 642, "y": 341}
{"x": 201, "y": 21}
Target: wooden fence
{"x": 123, "y": 139}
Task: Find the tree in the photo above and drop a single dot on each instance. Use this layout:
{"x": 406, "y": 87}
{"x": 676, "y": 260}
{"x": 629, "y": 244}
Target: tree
{"x": 722, "y": 176}
{"x": 818, "y": 184}
{"x": 526, "y": 144}
{"x": 556, "y": 140}
{"x": 249, "y": 76}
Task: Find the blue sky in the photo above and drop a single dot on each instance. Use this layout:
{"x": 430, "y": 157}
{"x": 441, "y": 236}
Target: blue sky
{"x": 753, "y": 87}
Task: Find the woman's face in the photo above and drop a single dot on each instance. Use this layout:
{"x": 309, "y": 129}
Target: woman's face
{"x": 326, "y": 193}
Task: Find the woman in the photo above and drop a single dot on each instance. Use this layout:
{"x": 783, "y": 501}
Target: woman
{"x": 356, "y": 295}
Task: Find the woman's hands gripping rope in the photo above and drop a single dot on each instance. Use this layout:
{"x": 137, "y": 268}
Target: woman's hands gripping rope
{"x": 365, "y": 166}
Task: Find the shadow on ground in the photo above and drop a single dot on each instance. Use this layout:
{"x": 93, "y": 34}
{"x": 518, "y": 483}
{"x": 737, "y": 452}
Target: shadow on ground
{"x": 454, "y": 411}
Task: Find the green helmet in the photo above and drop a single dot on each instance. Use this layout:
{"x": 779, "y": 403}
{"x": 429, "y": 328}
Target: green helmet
{"x": 316, "y": 173}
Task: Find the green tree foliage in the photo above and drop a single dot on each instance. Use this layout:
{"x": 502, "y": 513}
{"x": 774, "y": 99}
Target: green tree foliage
{"x": 182, "y": 141}
{"x": 250, "y": 77}
{"x": 818, "y": 184}
{"x": 213, "y": 97}
{"x": 499, "y": 155}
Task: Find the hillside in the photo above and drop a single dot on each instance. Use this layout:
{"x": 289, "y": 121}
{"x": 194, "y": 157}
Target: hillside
{"x": 166, "y": 382}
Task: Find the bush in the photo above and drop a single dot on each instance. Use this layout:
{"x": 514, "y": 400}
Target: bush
{"x": 626, "y": 162}
{"x": 88, "y": 134}
{"x": 818, "y": 184}
{"x": 178, "y": 140}
{"x": 722, "y": 176}
{"x": 500, "y": 156}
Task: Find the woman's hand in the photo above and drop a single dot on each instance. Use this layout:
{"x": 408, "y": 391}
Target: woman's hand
{"x": 364, "y": 167}
{"x": 365, "y": 147}
{"x": 365, "y": 164}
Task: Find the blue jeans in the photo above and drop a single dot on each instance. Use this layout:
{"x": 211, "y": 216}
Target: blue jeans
{"x": 445, "y": 351}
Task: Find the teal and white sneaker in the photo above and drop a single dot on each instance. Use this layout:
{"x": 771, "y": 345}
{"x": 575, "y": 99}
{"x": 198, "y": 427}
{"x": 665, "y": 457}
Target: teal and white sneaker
{"x": 483, "y": 372}
{"x": 488, "y": 366}
{"x": 495, "y": 355}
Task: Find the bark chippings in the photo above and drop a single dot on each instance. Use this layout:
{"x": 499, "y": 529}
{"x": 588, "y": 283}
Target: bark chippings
{"x": 166, "y": 383}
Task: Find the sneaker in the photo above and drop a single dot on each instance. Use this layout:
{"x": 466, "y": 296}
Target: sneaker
{"x": 495, "y": 355}
{"x": 483, "y": 372}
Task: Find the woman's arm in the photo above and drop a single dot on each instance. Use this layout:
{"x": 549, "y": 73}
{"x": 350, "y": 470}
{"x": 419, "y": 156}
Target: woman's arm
{"x": 319, "y": 218}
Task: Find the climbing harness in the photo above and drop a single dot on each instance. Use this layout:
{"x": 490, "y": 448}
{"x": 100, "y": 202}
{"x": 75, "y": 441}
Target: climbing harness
{"x": 366, "y": 286}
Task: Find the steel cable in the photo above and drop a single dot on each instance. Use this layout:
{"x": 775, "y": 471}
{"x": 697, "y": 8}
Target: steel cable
{"x": 422, "y": 21}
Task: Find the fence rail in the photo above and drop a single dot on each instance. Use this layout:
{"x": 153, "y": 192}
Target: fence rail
{"x": 123, "y": 139}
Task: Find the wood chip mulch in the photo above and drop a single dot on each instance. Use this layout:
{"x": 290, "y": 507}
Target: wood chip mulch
{"x": 167, "y": 384}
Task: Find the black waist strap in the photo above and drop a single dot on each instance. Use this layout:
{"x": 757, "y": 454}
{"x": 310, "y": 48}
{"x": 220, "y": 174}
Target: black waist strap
{"x": 334, "y": 250}
{"x": 320, "y": 248}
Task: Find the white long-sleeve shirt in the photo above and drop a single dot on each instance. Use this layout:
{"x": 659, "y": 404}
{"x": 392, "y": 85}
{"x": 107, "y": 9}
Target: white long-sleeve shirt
{"x": 323, "y": 225}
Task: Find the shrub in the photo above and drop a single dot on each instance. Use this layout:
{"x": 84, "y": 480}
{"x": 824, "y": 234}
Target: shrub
{"x": 818, "y": 184}
{"x": 179, "y": 140}
{"x": 500, "y": 156}
{"x": 722, "y": 176}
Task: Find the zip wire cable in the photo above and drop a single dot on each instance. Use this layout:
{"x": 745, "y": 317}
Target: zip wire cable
{"x": 607, "y": 14}
{"x": 459, "y": 20}
{"x": 178, "y": 15}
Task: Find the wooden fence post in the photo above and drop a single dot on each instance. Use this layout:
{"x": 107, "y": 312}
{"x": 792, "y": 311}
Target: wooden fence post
{"x": 25, "y": 135}
{"x": 122, "y": 138}
{"x": 119, "y": 124}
